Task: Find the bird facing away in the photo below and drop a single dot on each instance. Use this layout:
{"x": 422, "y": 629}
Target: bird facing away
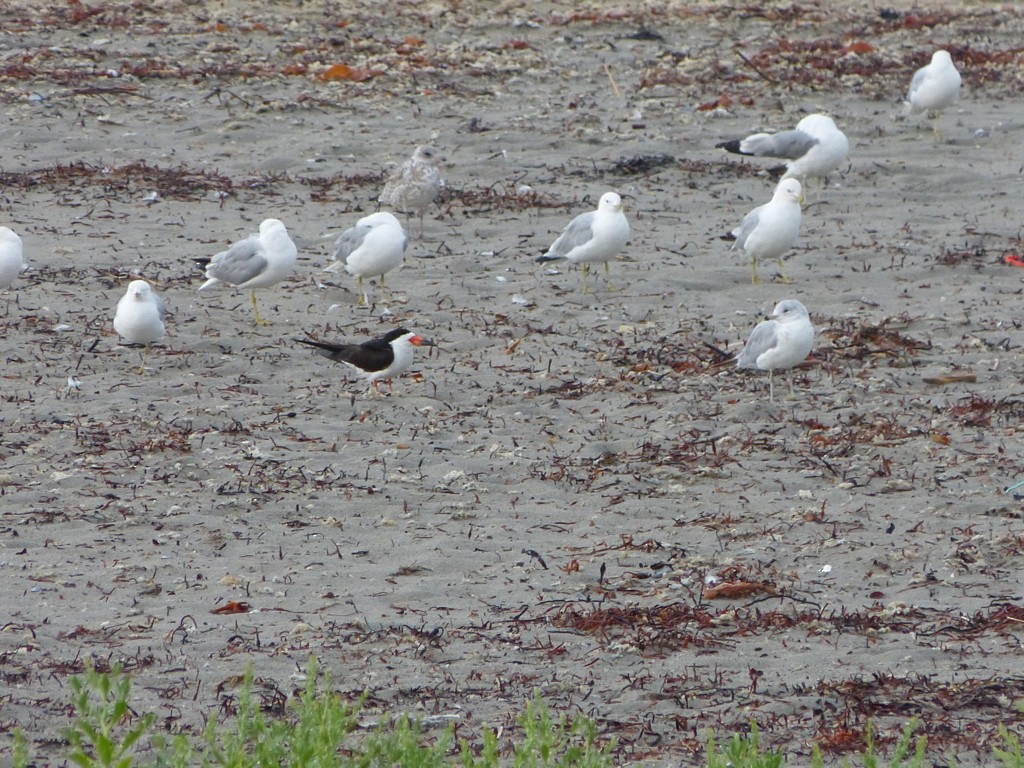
{"x": 12, "y": 260}
{"x": 595, "y": 237}
{"x": 414, "y": 186}
{"x": 770, "y": 230}
{"x": 816, "y": 147}
{"x": 380, "y": 359}
{"x": 259, "y": 261}
{"x": 780, "y": 343}
{"x": 934, "y": 87}
{"x": 139, "y": 318}
{"x": 372, "y": 248}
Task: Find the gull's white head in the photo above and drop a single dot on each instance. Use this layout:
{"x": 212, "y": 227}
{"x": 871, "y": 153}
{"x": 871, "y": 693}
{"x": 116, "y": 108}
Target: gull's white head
{"x": 790, "y": 309}
{"x": 610, "y": 202}
{"x": 272, "y": 225}
{"x": 814, "y": 124}
{"x": 139, "y": 290}
{"x": 9, "y": 236}
{"x": 380, "y": 219}
{"x": 942, "y": 59}
{"x": 790, "y": 189}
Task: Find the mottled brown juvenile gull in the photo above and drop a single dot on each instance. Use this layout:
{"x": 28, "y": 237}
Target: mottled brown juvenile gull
{"x": 414, "y": 186}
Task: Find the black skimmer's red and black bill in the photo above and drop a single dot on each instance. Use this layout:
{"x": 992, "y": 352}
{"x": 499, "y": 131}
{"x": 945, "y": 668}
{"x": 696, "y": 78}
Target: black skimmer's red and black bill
{"x": 259, "y": 261}
{"x": 593, "y": 237}
{"x": 376, "y": 360}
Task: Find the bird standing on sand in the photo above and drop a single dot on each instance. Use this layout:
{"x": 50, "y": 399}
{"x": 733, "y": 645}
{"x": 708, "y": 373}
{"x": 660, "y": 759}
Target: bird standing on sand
{"x": 259, "y": 261}
{"x": 934, "y": 87}
{"x": 372, "y": 248}
{"x": 816, "y": 147}
{"x": 595, "y": 237}
{"x": 380, "y": 359}
{"x": 12, "y": 260}
{"x": 139, "y": 318}
{"x": 780, "y": 343}
{"x": 414, "y": 187}
{"x": 770, "y": 230}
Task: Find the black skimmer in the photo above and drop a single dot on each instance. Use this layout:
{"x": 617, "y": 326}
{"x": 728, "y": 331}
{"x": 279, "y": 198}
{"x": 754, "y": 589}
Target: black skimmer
{"x": 380, "y": 359}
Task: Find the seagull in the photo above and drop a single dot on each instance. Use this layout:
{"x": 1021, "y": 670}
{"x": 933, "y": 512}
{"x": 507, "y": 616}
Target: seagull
{"x": 372, "y": 248}
{"x": 139, "y": 318}
{"x": 596, "y": 236}
{"x": 770, "y": 230}
{"x": 414, "y": 186}
{"x": 380, "y": 359}
{"x": 933, "y": 87}
{"x": 259, "y": 261}
{"x": 816, "y": 147}
{"x": 12, "y": 262}
{"x": 780, "y": 343}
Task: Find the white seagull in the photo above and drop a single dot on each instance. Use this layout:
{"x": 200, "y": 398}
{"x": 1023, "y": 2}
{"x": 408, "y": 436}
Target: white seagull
{"x": 376, "y": 360}
{"x": 816, "y": 147}
{"x": 770, "y": 230}
{"x": 259, "y": 261}
{"x": 934, "y": 87}
{"x": 372, "y": 248}
{"x": 780, "y": 343}
{"x": 593, "y": 237}
{"x": 12, "y": 260}
{"x": 139, "y": 318}
{"x": 414, "y": 187}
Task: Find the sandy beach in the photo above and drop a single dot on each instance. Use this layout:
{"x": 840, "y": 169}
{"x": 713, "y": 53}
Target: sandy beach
{"x": 574, "y": 492}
